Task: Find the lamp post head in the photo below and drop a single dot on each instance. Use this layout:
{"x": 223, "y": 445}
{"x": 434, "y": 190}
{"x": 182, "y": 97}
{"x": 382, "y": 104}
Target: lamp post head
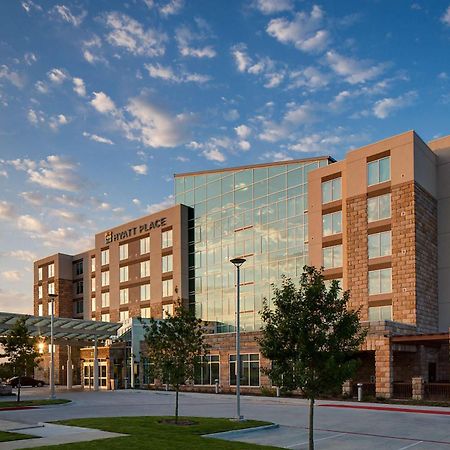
{"x": 238, "y": 261}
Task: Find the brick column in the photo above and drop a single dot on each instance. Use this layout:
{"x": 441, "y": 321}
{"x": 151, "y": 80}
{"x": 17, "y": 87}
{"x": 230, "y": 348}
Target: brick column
{"x": 384, "y": 370}
{"x": 418, "y": 388}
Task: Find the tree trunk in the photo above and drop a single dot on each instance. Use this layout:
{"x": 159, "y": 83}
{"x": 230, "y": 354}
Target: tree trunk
{"x": 18, "y": 390}
{"x": 311, "y": 424}
{"x": 176, "y": 403}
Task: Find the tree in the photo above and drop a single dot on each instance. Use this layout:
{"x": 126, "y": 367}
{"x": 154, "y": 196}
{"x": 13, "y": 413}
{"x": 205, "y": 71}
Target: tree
{"x": 21, "y": 350}
{"x": 311, "y": 337}
{"x": 174, "y": 346}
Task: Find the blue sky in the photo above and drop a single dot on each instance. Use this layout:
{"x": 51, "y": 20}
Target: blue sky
{"x": 102, "y": 101}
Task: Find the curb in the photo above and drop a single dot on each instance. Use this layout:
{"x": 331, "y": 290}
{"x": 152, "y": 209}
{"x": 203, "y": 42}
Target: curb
{"x": 232, "y": 433}
{"x": 390, "y": 409}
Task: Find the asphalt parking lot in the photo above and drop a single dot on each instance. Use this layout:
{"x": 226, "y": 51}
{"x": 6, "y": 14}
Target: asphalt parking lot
{"x": 336, "y": 426}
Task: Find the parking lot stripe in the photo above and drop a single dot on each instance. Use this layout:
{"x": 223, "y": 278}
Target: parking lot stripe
{"x": 316, "y": 440}
{"x": 412, "y": 445}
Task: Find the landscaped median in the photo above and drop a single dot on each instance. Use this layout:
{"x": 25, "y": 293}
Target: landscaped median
{"x": 155, "y": 432}
{"x": 13, "y": 404}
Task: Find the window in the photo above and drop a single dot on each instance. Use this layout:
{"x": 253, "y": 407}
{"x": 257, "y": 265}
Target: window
{"x": 123, "y": 296}
{"x": 145, "y": 292}
{"x": 146, "y": 312}
{"x": 206, "y": 370}
{"x": 123, "y": 315}
{"x": 105, "y": 317}
{"x": 105, "y": 278}
{"x": 123, "y": 251}
{"x": 331, "y": 190}
{"x": 93, "y": 304}
{"x": 145, "y": 269}
{"x": 105, "y": 257}
{"x": 380, "y": 244}
{"x": 40, "y": 294}
{"x": 332, "y": 223}
{"x": 379, "y": 171}
{"x": 40, "y": 309}
{"x": 51, "y": 288}
{"x": 93, "y": 284}
{"x": 167, "y": 310}
{"x": 380, "y": 313}
{"x": 51, "y": 270}
{"x": 166, "y": 239}
{"x": 339, "y": 280}
{"x": 379, "y": 208}
{"x": 167, "y": 263}
{"x": 50, "y": 348}
{"x": 332, "y": 257}
{"x": 49, "y": 308}
{"x": 78, "y": 307}
{"x": 249, "y": 372}
{"x": 105, "y": 299}
{"x": 167, "y": 288}
{"x": 78, "y": 287}
{"x": 39, "y": 273}
{"x": 380, "y": 281}
{"x": 123, "y": 274}
{"x": 93, "y": 264}
{"x": 79, "y": 268}
{"x": 145, "y": 245}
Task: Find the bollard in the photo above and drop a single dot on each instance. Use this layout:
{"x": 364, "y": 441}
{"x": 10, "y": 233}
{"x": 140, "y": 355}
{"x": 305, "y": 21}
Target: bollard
{"x": 360, "y": 392}
{"x": 278, "y": 391}
{"x": 216, "y": 381}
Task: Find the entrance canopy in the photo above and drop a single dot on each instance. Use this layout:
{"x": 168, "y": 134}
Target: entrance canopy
{"x": 64, "y": 329}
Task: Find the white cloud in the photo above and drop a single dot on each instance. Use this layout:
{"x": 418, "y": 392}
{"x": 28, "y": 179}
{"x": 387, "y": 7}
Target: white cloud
{"x": 172, "y": 7}
{"x": 57, "y": 121}
{"x": 305, "y": 31}
{"x": 182, "y": 159}
{"x": 384, "y": 108}
{"x": 79, "y": 87}
{"x": 102, "y": 103}
{"x": 155, "y": 207}
{"x": 326, "y": 143}
{"x": 15, "y": 301}
{"x": 28, "y": 5}
{"x": 30, "y": 224}
{"x": 33, "y": 197}
{"x": 186, "y": 37}
{"x": 241, "y": 58}
{"x": 310, "y": 78}
{"x": 243, "y": 131}
{"x": 140, "y": 169}
{"x": 273, "y": 6}
{"x": 129, "y": 34}
{"x": 300, "y": 114}
{"x": 276, "y": 156}
{"x": 214, "y": 154}
{"x": 41, "y": 86}
{"x": 244, "y": 145}
{"x": 64, "y": 13}
{"x": 231, "y": 115}
{"x": 30, "y": 58}
{"x": 136, "y": 201}
{"x": 3, "y": 173}
{"x": 12, "y": 275}
{"x": 22, "y": 255}
{"x": 7, "y": 210}
{"x": 446, "y": 17}
{"x": 35, "y": 117}
{"x": 354, "y": 71}
{"x": 178, "y": 76}
{"x": 97, "y": 138}
{"x": 90, "y": 47}
{"x": 13, "y": 77}
{"x": 57, "y": 76}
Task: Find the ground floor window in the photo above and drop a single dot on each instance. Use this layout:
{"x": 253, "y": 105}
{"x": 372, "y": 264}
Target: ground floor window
{"x": 206, "y": 370}
{"x": 249, "y": 369}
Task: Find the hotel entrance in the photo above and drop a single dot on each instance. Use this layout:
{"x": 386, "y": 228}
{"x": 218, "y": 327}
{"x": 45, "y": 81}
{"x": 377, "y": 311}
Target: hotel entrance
{"x": 88, "y": 374}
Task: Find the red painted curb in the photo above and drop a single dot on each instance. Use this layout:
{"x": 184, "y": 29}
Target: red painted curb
{"x": 15, "y": 408}
{"x": 389, "y": 408}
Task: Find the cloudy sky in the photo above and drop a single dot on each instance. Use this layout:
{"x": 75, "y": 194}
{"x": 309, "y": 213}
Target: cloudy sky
{"x": 102, "y": 101}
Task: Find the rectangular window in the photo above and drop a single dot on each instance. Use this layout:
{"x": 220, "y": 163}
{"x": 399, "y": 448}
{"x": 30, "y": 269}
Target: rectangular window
{"x": 78, "y": 307}
{"x": 206, "y": 370}
{"x": 380, "y": 281}
{"x": 40, "y": 309}
{"x": 123, "y": 274}
{"x": 332, "y": 223}
{"x": 79, "y": 287}
{"x": 166, "y": 239}
{"x": 380, "y": 244}
{"x": 123, "y": 315}
{"x": 123, "y": 252}
{"x": 51, "y": 288}
{"x": 93, "y": 284}
{"x": 51, "y": 270}
{"x": 79, "y": 268}
{"x": 145, "y": 269}
{"x": 93, "y": 304}
{"x": 105, "y": 278}
{"x": 49, "y": 308}
{"x": 146, "y": 312}
{"x": 40, "y": 292}
{"x": 105, "y": 317}
{"x": 380, "y": 313}
{"x": 40, "y": 273}
{"x": 167, "y": 310}
{"x": 123, "y": 296}
{"x": 379, "y": 171}
{"x": 167, "y": 263}
{"x": 105, "y": 299}
{"x": 93, "y": 264}
{"x": 145, "y": 245}
{"x": 167, "y": 288}
{"x": 145, "y": 292}
{"x": 379, "y": 208}
{"x": 339, "y": 280}
{"x": 249, "y": 372}
{"x": 332, "y": 190}
{"x": 332, "y": 257}
{"x": 105, "y": 257}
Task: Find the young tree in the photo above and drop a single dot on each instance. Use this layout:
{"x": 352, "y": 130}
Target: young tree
{"x": 173, "y": 347}
{"x": 311, "y": 337}
{"x": 21, "y": 350}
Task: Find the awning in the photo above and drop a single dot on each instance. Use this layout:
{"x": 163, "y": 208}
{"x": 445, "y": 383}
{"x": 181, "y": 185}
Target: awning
{"x": 422, "y": 339}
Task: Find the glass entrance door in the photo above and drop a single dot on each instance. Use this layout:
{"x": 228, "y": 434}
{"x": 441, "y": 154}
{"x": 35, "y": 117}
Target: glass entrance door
{"x": 88, "y": 374}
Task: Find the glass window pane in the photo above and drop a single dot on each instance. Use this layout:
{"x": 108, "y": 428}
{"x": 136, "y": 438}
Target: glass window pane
{"x": 228, "y": 183}
{"x": 386, "y": 280}
{"x": 337, "y": 188}
{"x": 337, "y": 256}
{"x": 372, "y": 209}
{"x": 327, "y": 258}
{"x": 277, "y": 183}
{"x": 200, "y": 194}
{"x": 372, "y": 173}
{"x": 213, "y": 189}
{"x": 327, "y": 222}
{"x": 385, "y": 239}
{"x": 385, "y": 169}
{"x": 374, "y": 314}
{"x": 295, "y": 177}
{"x": 260, "y": 174}
{"x": 199, "y": 180}
{"x": 373, "y": 242}
{"x": 386, "y": 312}
{"x": 374, "y": 282}
{"x": 243, "y": 179}
{"x": 385, "y": 206}
{"x": 326, "y": 192}
{"x": 337, "y": 222}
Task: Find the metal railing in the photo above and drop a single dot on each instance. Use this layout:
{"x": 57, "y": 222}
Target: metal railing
{"x": 437, "y": 391}
{"x": 402, "y": 390}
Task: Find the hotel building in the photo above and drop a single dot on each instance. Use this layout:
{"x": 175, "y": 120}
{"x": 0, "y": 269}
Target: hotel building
{"x": 378, "y": 221}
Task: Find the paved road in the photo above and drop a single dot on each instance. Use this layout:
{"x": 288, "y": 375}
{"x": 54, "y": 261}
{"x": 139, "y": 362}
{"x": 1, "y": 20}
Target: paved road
{"x": 336, "y": 427}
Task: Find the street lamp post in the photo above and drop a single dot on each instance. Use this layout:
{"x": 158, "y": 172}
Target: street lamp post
{"x": 52, "y": 348}
{"x": 238, "y": 263}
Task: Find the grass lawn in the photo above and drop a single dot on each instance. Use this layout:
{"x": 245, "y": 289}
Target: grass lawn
{"x": 146, "y": 432}
{"x": 5, "y": 436}
{"x": 15, "y": 403}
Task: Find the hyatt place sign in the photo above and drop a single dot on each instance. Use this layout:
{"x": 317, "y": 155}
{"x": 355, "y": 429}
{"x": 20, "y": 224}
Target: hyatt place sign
{"x": 130, "y": 232}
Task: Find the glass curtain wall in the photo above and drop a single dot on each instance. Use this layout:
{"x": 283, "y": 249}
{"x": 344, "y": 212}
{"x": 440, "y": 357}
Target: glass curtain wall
{"x": 257, "y": 213}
